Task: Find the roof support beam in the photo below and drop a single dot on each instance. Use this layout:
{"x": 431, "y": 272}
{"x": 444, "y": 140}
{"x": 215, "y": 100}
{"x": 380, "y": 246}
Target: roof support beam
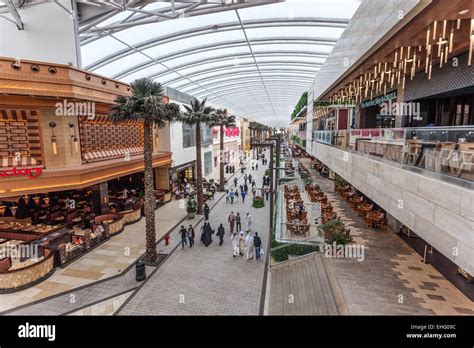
{"x": 268, "y": 73}
{"x": 14, "y": 12}
{"x": 267, "y": 23}
{"x": 233, "y": 56}
{"x": 172, "y": 69}
{"x": 244, "y": 79}
{"x": 233, "y": 68}
{"x": 230, "y": 44}
{"x": 283, "y": 88}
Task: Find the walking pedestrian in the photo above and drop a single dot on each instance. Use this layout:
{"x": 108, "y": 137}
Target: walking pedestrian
{"x": 257, "y": 243}
{"x": 238, "y": 224}
{"x": 248, "y": 222}
{"x": 235, "y": 182}
{"x": 246, "y": 188}
{"x": 249, "y": 246}
{"x": 235, "y": 244}
{"x": 220, "y": 234}
{"x": 241, "y": 243}
{"x": 241, "y": 188}
{"x": 254, "y": 191}
{"x": 256, "y": 166}
{"x": 184, "y": 236}
{"x": 253, "y": 183}
{"x": 227, "y": 197}
{"x": 246, "y": 178}
{"x": 231, "y": 194}
{"x": 191, "y": 235}
{"x": 253, "y": 166}
{"x": 267, "y": 193}
{"x": 244, "y": 193}
{"x": 237, "y": 196}
{"x": 250, "y": 178}
{"x": 207, "y": 234}
{"x": 231, "y": 221}
{"x": 206, "y": 212}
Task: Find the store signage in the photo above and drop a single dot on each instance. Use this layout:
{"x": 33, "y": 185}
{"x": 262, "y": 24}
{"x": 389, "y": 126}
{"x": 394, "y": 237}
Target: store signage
{"x": 379, "y": 100}
{"x": 232, "y": 132}
{"x": 326, "y": 103}
{"x": 32, "y": 173}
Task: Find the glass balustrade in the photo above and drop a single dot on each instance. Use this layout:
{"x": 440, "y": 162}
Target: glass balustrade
{"x": 445, "y": 150}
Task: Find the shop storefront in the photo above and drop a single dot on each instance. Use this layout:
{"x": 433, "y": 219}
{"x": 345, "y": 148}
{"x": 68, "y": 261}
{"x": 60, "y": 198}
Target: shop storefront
{"x": 182, "y": 174}
{"x": 68, "y": 182}
{"x": 372, "y": 115}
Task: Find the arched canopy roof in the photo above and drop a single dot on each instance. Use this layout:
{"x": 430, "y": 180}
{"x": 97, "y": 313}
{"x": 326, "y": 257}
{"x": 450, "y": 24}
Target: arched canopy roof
{"x": 254, "y": 57}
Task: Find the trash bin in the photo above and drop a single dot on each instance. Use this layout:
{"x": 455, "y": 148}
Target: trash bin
{"x": 140, "y": 271}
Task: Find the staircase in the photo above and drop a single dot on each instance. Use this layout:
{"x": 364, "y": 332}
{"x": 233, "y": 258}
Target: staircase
{"x": 301, "y": 286}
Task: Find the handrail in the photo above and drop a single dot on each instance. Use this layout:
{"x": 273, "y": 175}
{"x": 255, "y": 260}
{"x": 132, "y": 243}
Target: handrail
{"x": 434, "y": 151}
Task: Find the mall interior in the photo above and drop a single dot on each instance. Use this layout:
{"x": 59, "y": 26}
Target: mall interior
{"x": 347, "y": 125}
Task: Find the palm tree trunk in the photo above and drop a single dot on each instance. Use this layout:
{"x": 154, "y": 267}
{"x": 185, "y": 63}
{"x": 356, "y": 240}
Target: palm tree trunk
{"x": 198, "y": 169}
{"x": 150, "y": 201}
{"x": 221, "y": 169}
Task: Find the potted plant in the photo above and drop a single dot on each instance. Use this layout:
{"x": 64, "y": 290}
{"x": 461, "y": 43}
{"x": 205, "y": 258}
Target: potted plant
{"x": 258, "y": 202}
{"x": 330, "y": 228}
{"x": 191, "y": 208}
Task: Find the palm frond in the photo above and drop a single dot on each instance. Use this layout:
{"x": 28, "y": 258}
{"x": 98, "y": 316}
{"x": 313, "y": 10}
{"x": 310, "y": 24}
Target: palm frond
{"x": 146, "y": 101}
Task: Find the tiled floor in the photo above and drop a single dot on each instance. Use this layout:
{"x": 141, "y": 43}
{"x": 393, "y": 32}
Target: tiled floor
{"x": 438, "y": 294}
{"x": 107, "y": 307}
{"x": 108, "y": 259}
{"x": 207, "y": 281}
{"x": 392, "y": 279}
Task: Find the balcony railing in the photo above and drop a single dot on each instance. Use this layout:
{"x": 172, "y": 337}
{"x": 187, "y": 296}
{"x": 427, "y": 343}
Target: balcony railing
{"x": 444, "y": 150}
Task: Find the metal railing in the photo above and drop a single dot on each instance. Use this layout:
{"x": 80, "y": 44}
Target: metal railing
{"x": 444, "y": 150}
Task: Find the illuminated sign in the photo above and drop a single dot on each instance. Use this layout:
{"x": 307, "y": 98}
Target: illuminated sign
{"x": 379, "y": 100}
{"x": 32, "y": 173}
{"x": 232, "y": 132}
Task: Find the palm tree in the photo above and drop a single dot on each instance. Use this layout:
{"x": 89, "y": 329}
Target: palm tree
{"x": 222, "y": 119}
{"x": 196, "y": 115}
{"x": 146, "y": 104}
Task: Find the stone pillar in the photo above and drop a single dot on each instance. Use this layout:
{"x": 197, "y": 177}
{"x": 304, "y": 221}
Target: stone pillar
{"x": 100, "y": 198}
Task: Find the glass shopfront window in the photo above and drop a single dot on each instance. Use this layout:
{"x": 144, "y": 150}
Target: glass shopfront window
{"x": 188, "y": 136}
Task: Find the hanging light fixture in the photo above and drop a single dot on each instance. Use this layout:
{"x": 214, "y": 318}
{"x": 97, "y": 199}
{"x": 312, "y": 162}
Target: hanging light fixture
{"x": 451, "y": 37}
{"x": 52, "y": 124}
{"x": 471, "y": 44}
{"x": 74, "y": 137}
